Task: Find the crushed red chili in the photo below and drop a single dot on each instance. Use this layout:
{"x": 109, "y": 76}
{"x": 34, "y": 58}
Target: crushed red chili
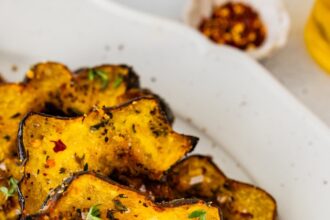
{"x": 59, "y": 146}
{"x": 50, "y": 163}
{"x": 234, "y": 24}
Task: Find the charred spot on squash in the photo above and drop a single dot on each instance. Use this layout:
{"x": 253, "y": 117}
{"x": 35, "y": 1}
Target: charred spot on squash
{"x": 16, "y": 115}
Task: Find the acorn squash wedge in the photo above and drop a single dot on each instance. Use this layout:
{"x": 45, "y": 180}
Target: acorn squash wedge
{"x": 52, "y": 88}
{"x": 133, "y": 138}
{"x": 77, "y": 198}
{"x": 16, "y": 100}
{"x": 198, "y": 177}
{"x": 105, "y": 85}
{"x": 100, "y": 86}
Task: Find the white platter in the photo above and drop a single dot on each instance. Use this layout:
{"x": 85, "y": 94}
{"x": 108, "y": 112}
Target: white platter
{"x": 248, "y": 122}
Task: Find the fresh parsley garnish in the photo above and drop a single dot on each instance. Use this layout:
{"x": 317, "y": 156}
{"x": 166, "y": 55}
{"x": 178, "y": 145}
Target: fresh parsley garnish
{"x": 94, "y": 213}
{"x": 117, "y": 82}
{"x": 8, "y": 192}
{"x": 91, "y": 74}
{"x": 101, "y": 75}
{"x": 198, "y": 214}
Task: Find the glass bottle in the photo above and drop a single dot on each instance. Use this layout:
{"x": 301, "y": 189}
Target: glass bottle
{"x": 317, "y": 34}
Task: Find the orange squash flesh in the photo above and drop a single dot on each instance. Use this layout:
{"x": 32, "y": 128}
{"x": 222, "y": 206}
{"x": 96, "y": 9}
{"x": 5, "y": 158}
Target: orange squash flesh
{"x": 75, "y": 198}
{"x": 134, "y": 138}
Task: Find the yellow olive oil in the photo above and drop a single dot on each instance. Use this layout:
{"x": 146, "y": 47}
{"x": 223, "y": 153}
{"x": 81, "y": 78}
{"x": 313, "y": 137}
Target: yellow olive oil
{"x": 317, "y": 34}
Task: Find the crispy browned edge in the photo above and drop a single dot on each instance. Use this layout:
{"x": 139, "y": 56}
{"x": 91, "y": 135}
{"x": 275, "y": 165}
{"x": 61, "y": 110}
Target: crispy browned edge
{"x": 210, "y": 160}
{"x": 23, "y": 155}
{"x": 58, "y": 193}
{"x": 2, "y": 80}
{"x": 132, "y": 81}
{"x": 165, "y": 106}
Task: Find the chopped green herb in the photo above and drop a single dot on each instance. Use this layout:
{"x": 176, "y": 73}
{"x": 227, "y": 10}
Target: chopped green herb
{"x": 103, "y": 76}
{"x": 119, "y": 206}
{"x": 91, "y": 74}
{"x": 117, "y": 82}
{"x": 8, "y": 192}
{"x": 94, "y": 213}
{"x": 198, "y": 214}
{"x": 86, "y": 167}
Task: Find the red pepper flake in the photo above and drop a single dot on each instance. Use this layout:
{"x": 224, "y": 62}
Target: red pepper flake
{"x": 59, "y": 146}
{"x": 235, "y": 24}
{"x": 50, "y": 163}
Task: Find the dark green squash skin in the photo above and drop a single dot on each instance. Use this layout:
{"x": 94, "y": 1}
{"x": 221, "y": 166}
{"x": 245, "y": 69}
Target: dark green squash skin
{"x": 58, "y": 193}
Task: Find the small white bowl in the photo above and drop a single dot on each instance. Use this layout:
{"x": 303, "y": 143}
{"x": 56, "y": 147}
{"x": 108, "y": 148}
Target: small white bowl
{"x": 272, "y": 12}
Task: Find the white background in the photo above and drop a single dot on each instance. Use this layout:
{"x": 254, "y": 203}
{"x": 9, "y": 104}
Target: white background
{"x": 292, "y": 66}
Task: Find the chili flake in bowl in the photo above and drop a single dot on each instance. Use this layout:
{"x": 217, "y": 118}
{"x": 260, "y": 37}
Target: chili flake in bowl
{"x": 255, "y": 26}
{"x": 235, "y": 24}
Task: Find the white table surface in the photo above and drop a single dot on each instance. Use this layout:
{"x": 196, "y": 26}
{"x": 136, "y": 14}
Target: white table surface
{"x": 292, "y": 66}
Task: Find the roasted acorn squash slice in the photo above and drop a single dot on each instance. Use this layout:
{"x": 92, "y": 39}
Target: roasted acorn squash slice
{"x": 51, "y": 88}
{"x": 198, "y": 177}
{"x": 133, "y": 138}
{"x": 88, "y": 194}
